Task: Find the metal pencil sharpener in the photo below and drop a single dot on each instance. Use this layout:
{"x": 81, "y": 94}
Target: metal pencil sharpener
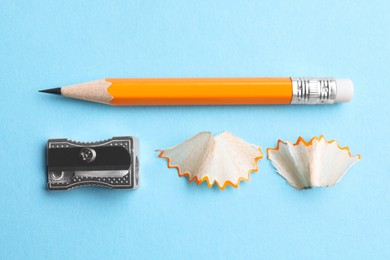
{"x": 112, "y": 163}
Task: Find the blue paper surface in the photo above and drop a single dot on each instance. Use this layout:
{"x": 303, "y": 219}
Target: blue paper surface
{"x": 46, "y": 44}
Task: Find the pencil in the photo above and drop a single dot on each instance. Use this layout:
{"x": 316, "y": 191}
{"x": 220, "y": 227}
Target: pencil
{"x": 210, "y": 91}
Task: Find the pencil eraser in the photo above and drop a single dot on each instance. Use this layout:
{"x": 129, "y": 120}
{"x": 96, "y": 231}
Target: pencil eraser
{"x": 344, "y": 90}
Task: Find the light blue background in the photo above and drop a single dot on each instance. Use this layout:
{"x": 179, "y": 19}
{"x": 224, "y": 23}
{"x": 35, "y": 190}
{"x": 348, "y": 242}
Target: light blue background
{"x": 45, "y": 44}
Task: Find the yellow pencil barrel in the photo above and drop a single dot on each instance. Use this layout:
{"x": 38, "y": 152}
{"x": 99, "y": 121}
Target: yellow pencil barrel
{"x": 200, "y": 91}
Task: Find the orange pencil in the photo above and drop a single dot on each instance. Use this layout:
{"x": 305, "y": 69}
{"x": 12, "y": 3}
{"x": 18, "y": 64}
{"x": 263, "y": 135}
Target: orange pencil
{"x": 210, "y": 91}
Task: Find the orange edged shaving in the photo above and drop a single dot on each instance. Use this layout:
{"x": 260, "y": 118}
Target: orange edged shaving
{"x": 317, "y": 163}
{"x": 223, "y": 159}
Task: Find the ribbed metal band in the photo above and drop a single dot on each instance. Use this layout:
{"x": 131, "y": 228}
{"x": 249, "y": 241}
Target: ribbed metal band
{"x": 313, "y": 91}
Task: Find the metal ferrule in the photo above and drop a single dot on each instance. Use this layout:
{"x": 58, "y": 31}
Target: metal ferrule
{"x": 313, "y": 91}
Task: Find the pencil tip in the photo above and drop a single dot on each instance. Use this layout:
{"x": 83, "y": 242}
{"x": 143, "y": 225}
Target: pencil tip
{"x": 52, "y": 91}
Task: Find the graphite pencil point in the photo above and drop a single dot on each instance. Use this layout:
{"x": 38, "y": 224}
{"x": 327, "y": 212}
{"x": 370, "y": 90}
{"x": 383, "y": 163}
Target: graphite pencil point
{"x": 56, "y": 91}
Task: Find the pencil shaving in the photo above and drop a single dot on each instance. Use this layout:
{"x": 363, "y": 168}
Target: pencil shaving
{"x": 223, "y": 159}
{"x": 317, "y": 163}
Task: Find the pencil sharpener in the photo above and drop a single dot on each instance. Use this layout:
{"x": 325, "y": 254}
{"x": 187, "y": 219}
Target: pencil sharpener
{"x": 112, "y": 163}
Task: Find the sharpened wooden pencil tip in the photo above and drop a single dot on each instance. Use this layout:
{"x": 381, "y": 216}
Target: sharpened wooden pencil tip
{"x": 56, "y": 91}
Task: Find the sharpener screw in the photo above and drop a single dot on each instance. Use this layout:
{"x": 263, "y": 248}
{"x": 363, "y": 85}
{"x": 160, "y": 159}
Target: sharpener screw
{"x": 87, "y": 155}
